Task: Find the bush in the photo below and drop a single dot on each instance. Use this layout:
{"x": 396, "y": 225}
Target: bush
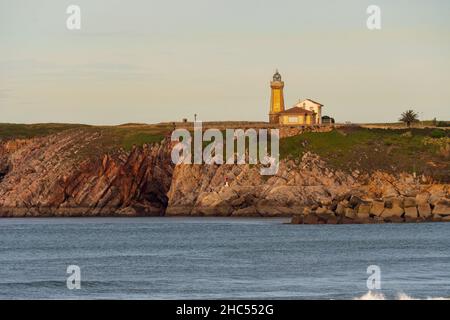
{"x": 438, "y": 133}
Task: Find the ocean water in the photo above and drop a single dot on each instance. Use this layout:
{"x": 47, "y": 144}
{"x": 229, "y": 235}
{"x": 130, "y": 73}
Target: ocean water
{"x": 209, "y": 258}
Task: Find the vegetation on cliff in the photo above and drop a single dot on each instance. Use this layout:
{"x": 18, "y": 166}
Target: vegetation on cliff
{"x": 419, "y": 151}
{"x": 92, "y": 170}
{"x": 415, "y": 151}
{"x": 109, "y": 138}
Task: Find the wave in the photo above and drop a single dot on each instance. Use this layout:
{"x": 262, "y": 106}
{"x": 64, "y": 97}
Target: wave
{"x": 373, "y": 295}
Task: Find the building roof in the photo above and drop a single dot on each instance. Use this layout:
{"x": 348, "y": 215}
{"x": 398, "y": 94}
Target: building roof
{"x": 296, "y": 110}
{"x": 314, "y": 102}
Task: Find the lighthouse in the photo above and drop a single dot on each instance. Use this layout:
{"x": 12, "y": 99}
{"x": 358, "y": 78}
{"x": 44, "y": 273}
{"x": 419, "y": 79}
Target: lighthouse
{"x": 276, "y": 98}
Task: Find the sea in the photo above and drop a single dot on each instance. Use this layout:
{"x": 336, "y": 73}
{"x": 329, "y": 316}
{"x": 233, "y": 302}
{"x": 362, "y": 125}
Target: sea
{"x": 220, "y": 258}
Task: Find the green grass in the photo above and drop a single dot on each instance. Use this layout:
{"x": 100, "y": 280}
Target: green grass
{"x": 113, "y": 138}
{"x": 13, "y": 130}
{"x": 110, "y": 138}
{"x": 347, "y": 148}
{"x": 138, "y": 137}
{"x": 372, "y": 149}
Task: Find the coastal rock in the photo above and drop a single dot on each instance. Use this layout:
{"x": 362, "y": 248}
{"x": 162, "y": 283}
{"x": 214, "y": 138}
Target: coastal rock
{"x": 436, "y": 218}
{"x": 364, "y": 209}
{"x": 64, "y": 175}
{"x": 409, "y": 202}
{"x": 411, "y": 214}
{"x": 332, "y": 219}
{"x": 246, "y": 212}
{"x": 442, "y": 208}
{"x": 424, "y": 210}
{"x": 340, "y": 209}
{"x": 311, "y": 219}
{"x": 422, "y": 198}
{"x": 393, "y": 209}
{"x": 71, "y": 174}
{"x": 350, "y": 213}
{"x": 437, "y": 192}
{"x": 377, "y": 208}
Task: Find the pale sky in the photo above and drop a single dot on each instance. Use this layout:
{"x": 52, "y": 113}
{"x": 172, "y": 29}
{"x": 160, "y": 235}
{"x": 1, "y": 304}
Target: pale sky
{"x": 151, "y": 61}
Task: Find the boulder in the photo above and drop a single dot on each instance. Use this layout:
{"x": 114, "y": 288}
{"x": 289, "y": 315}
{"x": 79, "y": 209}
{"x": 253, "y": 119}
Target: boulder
{"x": 364, "y": 208}
{"x": 349, "y": 213}
{"x": 409, "y": 202}
{"x": 424, "y": 210}
{"x": 422, "y": 198}
{"x": 437, "y": 193}
{"x": 442, "y": 208}
{"x": 311, "y": 219}
{"x": 323, "y": 214}
{"x": 377, "y": 208}
{"x": 393, "y": 208}
{"x": 322, "y": 210}
{"x": 411, "y": 214}
{"x": 388, "y": 191}
{"x": 340, "y": 209}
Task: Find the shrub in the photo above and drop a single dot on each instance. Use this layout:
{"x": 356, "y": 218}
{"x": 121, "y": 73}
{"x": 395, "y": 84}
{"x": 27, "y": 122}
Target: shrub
{"x": 438, "y": 133}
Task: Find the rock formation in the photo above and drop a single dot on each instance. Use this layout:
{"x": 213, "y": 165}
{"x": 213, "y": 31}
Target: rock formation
{"x": 67, "y": 174}
{"x": 56, "y": 176}
{"x": 307, "y": 190}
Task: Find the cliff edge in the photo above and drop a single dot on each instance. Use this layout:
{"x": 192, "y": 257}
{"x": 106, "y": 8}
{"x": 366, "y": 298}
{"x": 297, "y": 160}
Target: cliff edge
{"x": 344, "y": 176}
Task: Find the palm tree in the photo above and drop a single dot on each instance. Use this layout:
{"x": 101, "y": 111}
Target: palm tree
{"x": 409, "y": 117}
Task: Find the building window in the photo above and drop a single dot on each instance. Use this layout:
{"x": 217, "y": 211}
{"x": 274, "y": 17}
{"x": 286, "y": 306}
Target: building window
{"x": 293, "y": 119}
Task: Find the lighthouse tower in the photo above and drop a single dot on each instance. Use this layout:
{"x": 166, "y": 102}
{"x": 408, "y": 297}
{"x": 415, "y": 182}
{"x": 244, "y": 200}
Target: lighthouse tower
{"x": 276, "y": 98}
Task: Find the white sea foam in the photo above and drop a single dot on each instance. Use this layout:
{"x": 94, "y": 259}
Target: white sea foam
{"x": 373, "y": 295}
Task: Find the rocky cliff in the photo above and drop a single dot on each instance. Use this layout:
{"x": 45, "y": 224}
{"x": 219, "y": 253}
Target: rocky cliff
{"x": 308, "y": 190}
{"x": 62, "y": 175}
{"x": 66, "y": 174}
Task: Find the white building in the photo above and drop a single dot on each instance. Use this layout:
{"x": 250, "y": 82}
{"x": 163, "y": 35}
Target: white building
{"x": 313, "y": 106}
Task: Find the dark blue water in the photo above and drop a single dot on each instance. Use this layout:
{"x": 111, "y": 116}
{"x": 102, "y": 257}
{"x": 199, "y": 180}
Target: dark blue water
{"x": 174, "y": 258}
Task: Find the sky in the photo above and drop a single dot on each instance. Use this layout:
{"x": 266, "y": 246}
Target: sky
{"x": 149, "y": 61}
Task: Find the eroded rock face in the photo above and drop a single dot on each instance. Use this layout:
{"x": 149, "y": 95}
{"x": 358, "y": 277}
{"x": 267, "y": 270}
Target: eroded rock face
{"x": 198, "y": 190}
{"x": 61, "y": 175}
{"x": 50, "y": 176}
{"x": 305, "y": 189}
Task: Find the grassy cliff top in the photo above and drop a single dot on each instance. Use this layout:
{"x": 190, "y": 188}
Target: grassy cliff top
{"x": 392, "y": 150}
{"x": 124, "y": 136}
{"x": 349, "y": 148}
